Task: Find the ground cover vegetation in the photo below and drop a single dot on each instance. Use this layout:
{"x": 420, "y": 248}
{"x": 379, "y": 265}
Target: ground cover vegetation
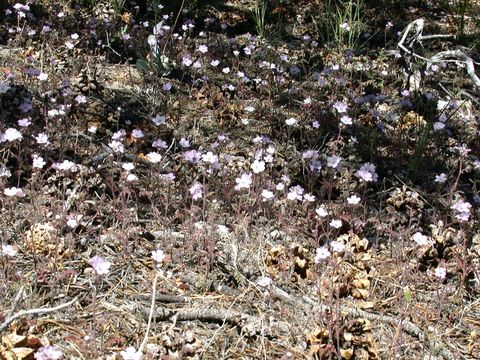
{"x": 250, "y": 179}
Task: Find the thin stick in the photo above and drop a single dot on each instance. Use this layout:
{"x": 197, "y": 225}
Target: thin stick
{"x": 34, "y": 312}
{"x": 150, "y": 315}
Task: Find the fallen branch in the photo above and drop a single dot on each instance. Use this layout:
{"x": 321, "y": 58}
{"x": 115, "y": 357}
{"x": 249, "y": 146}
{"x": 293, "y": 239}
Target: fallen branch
{"x": 34, "y": 312}
{"x": 201, "y": 314}
{"x": 413, "y": 33}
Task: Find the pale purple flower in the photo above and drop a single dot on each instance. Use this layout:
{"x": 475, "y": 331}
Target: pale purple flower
{"x": 441, "y": 178}
{"x": 333, "y": 161}
{"x": 80, "y": 99}
{"x": 187, "y": 60}
{"x": 24, "y": 122}
{"x": 462, "y": 210}
{"x": 244, "y": 181}
{"x": 159, "y": 120}
{"x": 137, "y": 134}
{"x": 4, "y": 87}
{"x": 196, "y": 190}
{"x": 167, "y": 86}
{"x": 160, "y": 144}
{"x": 367, "y": 173}
{"x": 119, "y": 135}
{"x": 48, "y": 353}
{"x": 226, "y": 70}
{"x": 131, "y": 353}
{"x": 214, "y": 63}
{"x": 322, "y": 254}
{"x": 100, "y": 265}
{"x": 192, "y": 156}
{"x": 158, "y": 256}
{"x": 310, "y": 154}
{"x": 341, "y": 107}
{"x": 315, "y": 166}
{"x": 184, "y": 143}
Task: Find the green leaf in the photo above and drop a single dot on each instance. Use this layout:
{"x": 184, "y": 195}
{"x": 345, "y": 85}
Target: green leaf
{"x": 142, "y": 65}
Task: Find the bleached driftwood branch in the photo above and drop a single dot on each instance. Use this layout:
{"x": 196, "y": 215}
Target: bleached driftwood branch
{"x": 413, "y": 33}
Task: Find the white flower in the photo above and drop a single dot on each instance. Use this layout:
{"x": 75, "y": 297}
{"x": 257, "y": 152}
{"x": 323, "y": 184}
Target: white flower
{"x": 158, "y": 256}
{"x": 440, "y": 272}
{"x": 321, "y": 211}
{"x": 154, "y": 157}
{"x": 9, "y": 250}
{"x": 267, "y": 194}
{"x": 210, "y": 157}
{"x": 258, "y": 166}
{"x": 322, "y": 254}
{"x": 346, "y": 120}
{"x": 48, "y": 353}
{"x": 128, "y": 166}
{"x": 4, "y": 172}
{"x": 353, "y": 200}
{"x": 12, "y": 134}
{"x": 244, "y": 181}
{"x": 336, "y": 223}
{"x": 131, "y": 353}
{"x": 72, "y": 223}
{"x": 337, "y": 246}
{"x": 203, "y": 49}
{"x": 116, "y": 146}
{"x": 65, "y": 165}
{"x": 420, "y": 239}
{"x": 291, "y": 121}
{"x": 13, "y": 191}
{"x": 264, "y": 282}
{"x": 132, "y": 177}
{"x": 42, "y": 76}
{"x": 42, "y": 138}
